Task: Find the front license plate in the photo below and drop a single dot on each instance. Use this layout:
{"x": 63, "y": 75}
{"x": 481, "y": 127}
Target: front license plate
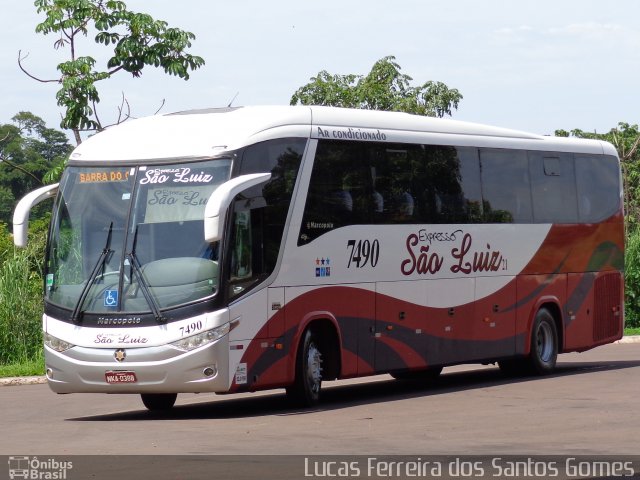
{"x": 120, "y": 377}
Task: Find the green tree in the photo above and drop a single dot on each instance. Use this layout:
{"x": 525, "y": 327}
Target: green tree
{"x": 28, "y": 150}
{"x": 50, "y": 143}
{"x": 632, "y": 279}
{"x": 137, "y": 39}
{"x": 383, "y": 88}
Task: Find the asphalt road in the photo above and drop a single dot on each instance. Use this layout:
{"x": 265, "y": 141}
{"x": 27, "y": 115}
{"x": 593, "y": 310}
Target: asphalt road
{"x": 590, "y": 406}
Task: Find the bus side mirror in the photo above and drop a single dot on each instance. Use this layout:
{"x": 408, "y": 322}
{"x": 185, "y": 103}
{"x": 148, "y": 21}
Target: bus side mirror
{"x": 220, "y": 200}
{"x": 21, "y": 213}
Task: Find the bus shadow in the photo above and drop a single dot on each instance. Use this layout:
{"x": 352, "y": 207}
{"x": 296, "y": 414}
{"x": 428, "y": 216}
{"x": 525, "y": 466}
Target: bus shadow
{"x": 339, "y": 396}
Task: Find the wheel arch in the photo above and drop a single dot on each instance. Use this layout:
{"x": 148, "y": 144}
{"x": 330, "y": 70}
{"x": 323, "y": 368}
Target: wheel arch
{"x": 552, "y": 305}
{"x": 325, "y": 326}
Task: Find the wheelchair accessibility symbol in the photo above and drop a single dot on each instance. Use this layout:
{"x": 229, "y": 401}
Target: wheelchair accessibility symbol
{"x": 111, "y": 298}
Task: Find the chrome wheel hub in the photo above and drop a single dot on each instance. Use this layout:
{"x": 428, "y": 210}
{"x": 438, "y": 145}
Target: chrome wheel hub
{"x": 314, "y": 368}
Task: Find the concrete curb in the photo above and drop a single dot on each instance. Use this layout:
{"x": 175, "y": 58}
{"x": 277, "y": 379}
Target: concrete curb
{"x": 14, "y": 381}
{"x": 630, "y": 339}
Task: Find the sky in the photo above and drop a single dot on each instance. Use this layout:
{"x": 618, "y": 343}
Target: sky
{"x": 532, "y": 66}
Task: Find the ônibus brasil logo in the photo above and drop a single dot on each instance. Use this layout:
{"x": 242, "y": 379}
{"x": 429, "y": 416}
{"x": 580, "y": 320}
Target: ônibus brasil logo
{"x": 36, "y": 469}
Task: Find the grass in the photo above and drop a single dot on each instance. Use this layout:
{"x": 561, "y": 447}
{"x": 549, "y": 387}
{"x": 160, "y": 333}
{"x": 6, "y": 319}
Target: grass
{"x": 631, "y": 331}
{"x": 20, "y": 310}
{"x": 27, "y": 368}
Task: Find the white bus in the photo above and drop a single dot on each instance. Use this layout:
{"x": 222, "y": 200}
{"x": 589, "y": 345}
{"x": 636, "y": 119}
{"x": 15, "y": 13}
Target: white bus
{"x": 242, "y": 249}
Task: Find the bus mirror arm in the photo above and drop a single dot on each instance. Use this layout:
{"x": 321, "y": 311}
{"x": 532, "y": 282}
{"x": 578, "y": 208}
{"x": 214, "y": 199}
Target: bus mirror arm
{"x": 21, "y": 213}
{"x": 220, "y": 200}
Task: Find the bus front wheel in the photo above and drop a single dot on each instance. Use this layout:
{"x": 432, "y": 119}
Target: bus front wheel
{"x": 158, "y": 401}
{"x": 305, "y": 390}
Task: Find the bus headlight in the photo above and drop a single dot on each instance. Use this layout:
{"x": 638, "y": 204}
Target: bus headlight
{"x": 201, "y": 339}
{"x": 55, "y": 343}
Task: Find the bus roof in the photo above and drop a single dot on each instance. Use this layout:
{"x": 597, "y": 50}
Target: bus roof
{"x": 208, "y": 132}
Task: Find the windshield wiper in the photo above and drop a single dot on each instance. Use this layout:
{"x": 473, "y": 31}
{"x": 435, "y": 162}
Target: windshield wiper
{"x": 104, "y": 257}
{"x": 144, "y": 286}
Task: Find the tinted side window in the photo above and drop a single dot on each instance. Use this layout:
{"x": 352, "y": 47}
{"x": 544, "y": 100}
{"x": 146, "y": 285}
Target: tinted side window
{"x": 400, "y": 182}
{"x": 553, "y": 187}
{"x": 469, "y": 160}
{"x": 382, "y": 183}
{"x": 338, "y": 174}
{"x": 355, "y": 183}
{"x": 598, "y": 184}
{"x": 260, "y": 213}
{"x": 377, "y": 183}
{"x": 427, "y": 184}
{"x": 505, "y": 186}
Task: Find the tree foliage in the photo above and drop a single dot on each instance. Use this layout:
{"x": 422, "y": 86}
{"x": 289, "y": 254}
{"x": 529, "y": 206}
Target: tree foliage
{"x": 137, "y": 39}
{"x": 632, "y": 279}
{"x": 28, "y": 150}
{"x": 383, "y": 88}
{"x": 21, "y": 295}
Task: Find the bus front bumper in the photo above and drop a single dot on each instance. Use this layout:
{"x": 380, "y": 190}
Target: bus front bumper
{"x": 162, "y": 369}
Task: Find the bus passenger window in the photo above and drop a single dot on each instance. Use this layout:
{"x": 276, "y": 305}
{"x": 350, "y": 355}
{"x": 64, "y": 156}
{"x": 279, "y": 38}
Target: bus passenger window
{"x": 340, "y": 191}
{"x": 505, "y": 167}
{"x": 598, "y": 187}
{"x": 553, "y": 187}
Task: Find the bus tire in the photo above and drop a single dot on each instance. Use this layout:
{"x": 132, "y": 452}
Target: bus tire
{"x": 544, "y": 344}
{"x": 305, "y": 391}
{"x": 159, "y": 401}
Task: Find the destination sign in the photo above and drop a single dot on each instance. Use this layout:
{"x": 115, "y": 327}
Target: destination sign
{"x": 103, "y": 176}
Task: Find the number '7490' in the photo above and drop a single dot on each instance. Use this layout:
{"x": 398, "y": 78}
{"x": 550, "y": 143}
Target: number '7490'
{"x": 363, "y": 253}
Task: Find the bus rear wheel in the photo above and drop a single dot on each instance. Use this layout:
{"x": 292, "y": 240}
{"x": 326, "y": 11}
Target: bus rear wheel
{"x": 544, "y": 344}
{"x": 305, "y": 391}
{"x": 543, "y": 351}
{"x": 159, "y": 401}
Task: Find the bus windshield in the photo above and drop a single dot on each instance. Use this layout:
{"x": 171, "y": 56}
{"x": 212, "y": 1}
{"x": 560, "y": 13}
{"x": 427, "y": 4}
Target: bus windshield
{"x": 131, "y": 240}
